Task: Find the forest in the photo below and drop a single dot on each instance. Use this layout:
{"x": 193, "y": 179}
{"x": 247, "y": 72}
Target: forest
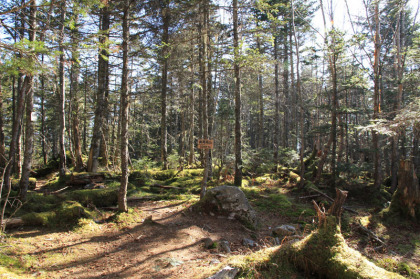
{"x": 209, "y": 139}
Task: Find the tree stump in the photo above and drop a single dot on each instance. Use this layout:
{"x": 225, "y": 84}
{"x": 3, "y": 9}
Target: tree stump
{"x": 406, "y": 200}
{"x": 326, "y": 253}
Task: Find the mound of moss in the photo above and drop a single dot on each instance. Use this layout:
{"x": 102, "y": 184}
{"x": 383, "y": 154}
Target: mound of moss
{"x": 68, "y": 213}
{"x": 326, "y": 253}
{"x": 98, "y": 197}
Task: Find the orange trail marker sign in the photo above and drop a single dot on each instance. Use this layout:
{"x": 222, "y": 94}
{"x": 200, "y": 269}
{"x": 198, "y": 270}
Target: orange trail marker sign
{"x": 205, "y": 144}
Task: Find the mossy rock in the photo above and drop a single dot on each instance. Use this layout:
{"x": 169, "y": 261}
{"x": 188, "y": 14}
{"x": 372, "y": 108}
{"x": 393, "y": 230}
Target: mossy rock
{"x": 229, "y": 200}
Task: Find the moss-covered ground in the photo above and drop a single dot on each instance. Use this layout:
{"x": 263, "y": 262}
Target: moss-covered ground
{"x": 58, "y": 207}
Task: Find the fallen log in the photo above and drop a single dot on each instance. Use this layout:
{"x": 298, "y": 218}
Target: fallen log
{"x": 13, "y": 222}
{"x": 369, "y": 233}
{"x": 164, "y": 186}
{"x": 85, "y": 178}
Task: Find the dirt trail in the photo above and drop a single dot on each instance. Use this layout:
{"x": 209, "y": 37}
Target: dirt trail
{"x": 169, "y": 247}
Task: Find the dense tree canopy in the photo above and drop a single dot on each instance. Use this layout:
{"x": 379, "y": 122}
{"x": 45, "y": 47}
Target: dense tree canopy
{"x": 82, "y": 81}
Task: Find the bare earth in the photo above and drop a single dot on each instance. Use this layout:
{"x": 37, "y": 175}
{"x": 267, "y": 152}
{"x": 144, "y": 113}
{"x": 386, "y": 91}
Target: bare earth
{"x": 169, "y": 247}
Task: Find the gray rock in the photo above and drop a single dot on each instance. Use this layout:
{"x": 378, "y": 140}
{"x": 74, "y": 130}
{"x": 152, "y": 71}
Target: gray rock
{"x": 89, "y": 186}
{"x": 214, "y": 261}
{"x": 284, "y": 230}
{"x": 249, "y": 243}
{"x": 229, "y": 201}
{"x": 226, "y": 273}
{"x": 208, "y": 243}
{"x": 225, "y": 246}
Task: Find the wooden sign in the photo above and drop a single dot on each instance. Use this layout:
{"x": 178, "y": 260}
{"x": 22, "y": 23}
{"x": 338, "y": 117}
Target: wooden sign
{"x": 205, "y": 144}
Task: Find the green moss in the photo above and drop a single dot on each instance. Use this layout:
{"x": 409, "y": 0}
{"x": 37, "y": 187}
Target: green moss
{"x": 68, "y": 213}
{"x": 38, "y": 202}
{"x": 127, "y": 219}
{"x": 15, "y": 267}
{"x": 85, "y": 225}
{"x": 326, "y": 253}
{"x": 39, "y": 219}
{"x": 266, "y": 263}
{"x": 162, "y": 174}
{"x": 99, "y": 197}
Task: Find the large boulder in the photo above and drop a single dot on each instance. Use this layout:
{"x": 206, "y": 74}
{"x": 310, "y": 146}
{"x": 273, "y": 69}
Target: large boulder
{"x": 229, "y": 201}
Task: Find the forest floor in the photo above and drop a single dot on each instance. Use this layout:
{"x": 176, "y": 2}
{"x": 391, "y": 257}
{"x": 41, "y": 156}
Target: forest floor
{"x": 164, "y": 238}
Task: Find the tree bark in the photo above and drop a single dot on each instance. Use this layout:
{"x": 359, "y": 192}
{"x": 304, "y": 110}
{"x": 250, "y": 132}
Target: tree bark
{"x": 103, "y": 69}
{"x": 74, "y": 87}
{"x": 122, "y": 195}
{"x": 62, "y": 92}
{"x": 164, "y": 65}
{"x": 376, "y": 100}
{"x": 2, "y": 143}
{"x": 276, "y": 102}
{"x": 300, "y": 97}
{"x": 29, "y": 136}
{"x": 237, "y": 74}
{"x": 286, "y": 90}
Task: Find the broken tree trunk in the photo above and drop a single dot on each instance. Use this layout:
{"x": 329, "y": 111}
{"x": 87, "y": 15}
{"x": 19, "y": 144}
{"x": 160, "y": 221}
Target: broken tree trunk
{"x": 406, "y": 200}
{"x": 326, "y": 253}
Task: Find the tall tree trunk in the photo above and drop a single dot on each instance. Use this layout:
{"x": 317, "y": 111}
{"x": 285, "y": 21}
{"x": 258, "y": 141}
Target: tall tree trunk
{"x": 376, "y": 100}
{"x": 276, "y": 101}
{"x": 62, "y": 92}
{"x": 25, "y": 88}
{"x": 286, "y": 105}
{"x": 236, "y": 70}
{"x": 164, "y": 61}
{"x": 97, "y": 134}
{"x": 74, "y": 87}
{"x": 300, "y": 97}
{"x": 398, "y": 77}
{"x": 294, "y": 110}
{"x": 122, "y": 195}
{"x": 333, "y": 131}
{"x": 192, "y": 120}
{"x": 29, "y": 136}
{"x": 43, "y": 131}
{"x": 204, "y": 88}
{"x": 2, "y": 143}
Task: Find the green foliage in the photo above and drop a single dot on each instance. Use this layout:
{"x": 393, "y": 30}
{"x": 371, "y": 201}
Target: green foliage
{"x": 144, "y": 163}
